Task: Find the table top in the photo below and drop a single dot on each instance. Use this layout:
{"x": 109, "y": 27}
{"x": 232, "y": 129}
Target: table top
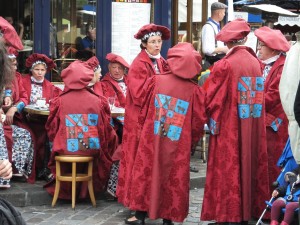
{"x": 31, "y": 109}
{"x": 116, "y": 111}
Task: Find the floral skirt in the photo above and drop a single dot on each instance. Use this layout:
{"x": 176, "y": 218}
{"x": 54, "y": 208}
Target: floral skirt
{"x": 22, "y": 152}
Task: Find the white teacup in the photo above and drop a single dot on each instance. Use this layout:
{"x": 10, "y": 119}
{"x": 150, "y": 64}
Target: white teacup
{"x": 41, "y": 102}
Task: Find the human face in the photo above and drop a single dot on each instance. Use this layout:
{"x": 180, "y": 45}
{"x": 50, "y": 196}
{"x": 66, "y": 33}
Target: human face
{"x": 39, "y": 72}
{"x": 92, "y": 34}
{"x": 264, "y": 52}
{"x": 14, "y": 64}
{"x": 116, "y": 70}
{"x": 221, "y": 14}
{"x": 153, "y": 45}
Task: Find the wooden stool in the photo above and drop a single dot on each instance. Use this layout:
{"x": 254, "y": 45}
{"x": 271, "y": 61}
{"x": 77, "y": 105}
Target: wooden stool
{"x": 74, "y": 177}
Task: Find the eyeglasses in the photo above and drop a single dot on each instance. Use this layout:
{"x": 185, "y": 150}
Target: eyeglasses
{"x": 259, "y": 45}
{"x": 159, "y": 42}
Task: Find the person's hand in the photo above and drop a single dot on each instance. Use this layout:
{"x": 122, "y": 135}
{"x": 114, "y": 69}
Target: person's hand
{"x": 7, "y": 101}
{"x": 275, "y": 193}
{"x": 10, "y": 115}
{"x": 5, "y": 169}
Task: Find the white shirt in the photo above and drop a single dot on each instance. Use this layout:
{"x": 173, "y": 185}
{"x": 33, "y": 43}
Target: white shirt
{"x": 208, "y": 43}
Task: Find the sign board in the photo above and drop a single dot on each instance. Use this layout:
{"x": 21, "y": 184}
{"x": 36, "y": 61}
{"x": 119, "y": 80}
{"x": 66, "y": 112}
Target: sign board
{"x": 127, "y": 19}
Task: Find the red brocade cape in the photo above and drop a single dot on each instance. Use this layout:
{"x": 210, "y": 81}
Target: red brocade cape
{"x": 80, "y": 118}
{"x": 237, "y": 181}
{"x": 139, "y": 72}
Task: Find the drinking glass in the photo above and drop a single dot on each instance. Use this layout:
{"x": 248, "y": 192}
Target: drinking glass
{"x": 111, "y": 102}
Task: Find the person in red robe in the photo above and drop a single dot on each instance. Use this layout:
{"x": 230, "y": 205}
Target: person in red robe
{"x": 37, "y": 87}
{"x": 237, "y": 170}
{"x": 114, "y": 82}
{"x": 171, "y": 120}
{"x": 272, "y": 46}
{"x": 76, "y": 106}
{"x": 8, "y": 38}
{"x": 148, "y": 63}
{"x": 114, "y": 86}
{"x": 18, "y": 139}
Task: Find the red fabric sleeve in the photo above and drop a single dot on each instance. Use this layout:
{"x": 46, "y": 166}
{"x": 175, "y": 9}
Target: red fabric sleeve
{"x": 217, "y": 91}
{"x": 53, "y": 121}
{"x": 198, "y": 115}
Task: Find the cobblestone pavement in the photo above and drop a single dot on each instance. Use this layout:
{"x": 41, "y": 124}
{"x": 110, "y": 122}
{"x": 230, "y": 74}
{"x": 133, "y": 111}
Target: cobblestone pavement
{"x": 108, "y": 213}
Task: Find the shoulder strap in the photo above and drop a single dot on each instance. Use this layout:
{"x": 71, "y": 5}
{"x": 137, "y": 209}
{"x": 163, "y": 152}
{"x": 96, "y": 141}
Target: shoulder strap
{"x": 207, "y": 22}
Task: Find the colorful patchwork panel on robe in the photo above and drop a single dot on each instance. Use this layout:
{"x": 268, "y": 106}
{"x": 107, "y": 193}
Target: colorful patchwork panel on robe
{"x": 250, "y": 97}
{"x": 170, "y": 114}
{"x": 82, "y": 132}
{"x": 276, "y": 124}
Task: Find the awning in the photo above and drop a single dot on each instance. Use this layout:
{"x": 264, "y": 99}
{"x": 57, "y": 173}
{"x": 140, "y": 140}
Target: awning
{"x": 282, "y": 20}
{"x": 290, "y": 21}
{"x": 258, "y": 9}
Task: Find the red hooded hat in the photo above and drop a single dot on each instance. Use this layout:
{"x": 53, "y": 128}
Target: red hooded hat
{"x": 234, "y": 31}
{"x": 10, "y": 35}
{"x": 35, "y": 58}
{"x": 93, "y": 63}
{"x": 152, "y": 29}
{"x": 113, "y": 58}
{"x": 78, "y": 74}
{"x": 184, "y": 61}
{"x": 274, "y": 39}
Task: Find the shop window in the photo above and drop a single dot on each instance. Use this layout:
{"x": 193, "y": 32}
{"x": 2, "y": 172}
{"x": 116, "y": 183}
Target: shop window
{"x": 72, "y": 32}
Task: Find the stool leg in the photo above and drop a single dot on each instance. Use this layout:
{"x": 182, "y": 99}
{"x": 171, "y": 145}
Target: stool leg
{"x": 57, "y": 184}
{"x": 90, "y": 184}
{"x": 73, "y": 184}
{"x": 204, "y": 148}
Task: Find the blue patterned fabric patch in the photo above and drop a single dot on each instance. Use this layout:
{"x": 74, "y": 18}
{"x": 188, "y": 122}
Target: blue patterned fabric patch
{"x": 213, "y": 127}
{"x": 82, "y": 132}
{"x": 250, "y": 97}
{"x": 170, "y": 114}
{"x": 276, "y": 124}
{"x": 7, "y": 93}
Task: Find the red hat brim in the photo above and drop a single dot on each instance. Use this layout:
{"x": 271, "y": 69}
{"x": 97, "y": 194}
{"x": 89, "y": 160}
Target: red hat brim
{"x": 40, "y": 57}
{"x": 10, "y": 35}
{"x": 146, "y": 29}
{"x": 113, "y": 58}
{"x": 274, "y": 39}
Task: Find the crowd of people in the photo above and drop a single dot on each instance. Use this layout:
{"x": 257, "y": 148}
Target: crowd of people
{"x": 143, "y": 158}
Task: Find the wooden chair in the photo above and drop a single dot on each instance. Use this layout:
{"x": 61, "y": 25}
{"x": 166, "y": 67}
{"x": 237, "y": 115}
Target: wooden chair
{"x": 74, "y": 177}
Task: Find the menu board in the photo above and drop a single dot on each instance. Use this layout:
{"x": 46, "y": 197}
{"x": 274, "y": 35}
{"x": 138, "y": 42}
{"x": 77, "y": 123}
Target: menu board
{"x": 127, "y": 19}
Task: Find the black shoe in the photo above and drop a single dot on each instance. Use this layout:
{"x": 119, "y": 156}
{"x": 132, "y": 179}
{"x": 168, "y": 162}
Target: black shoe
{"x": 135, "y": 222}
{"x": 167, "y": 222}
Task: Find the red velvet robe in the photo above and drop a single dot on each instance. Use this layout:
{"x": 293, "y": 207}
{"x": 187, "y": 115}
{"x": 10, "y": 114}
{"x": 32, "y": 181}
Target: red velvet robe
{"x": 111, "y": 88}
{"x": 140, "y": 71}
{"x": 276, "y": 120}
{"x": 37, "y": 125}
{"x": 237, "y": 170}
{"x": 95, "y": 112}
{"x": 161, "y": 170}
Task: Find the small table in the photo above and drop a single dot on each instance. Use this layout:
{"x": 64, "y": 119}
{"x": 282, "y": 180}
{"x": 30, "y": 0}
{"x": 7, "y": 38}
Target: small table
{"x": 31, "y": 109}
